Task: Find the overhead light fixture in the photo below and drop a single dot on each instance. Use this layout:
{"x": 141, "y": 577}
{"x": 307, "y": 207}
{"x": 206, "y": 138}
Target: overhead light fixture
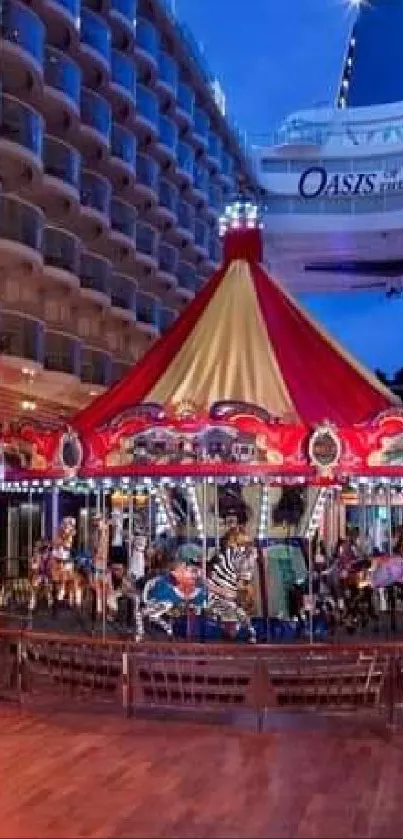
{"x": 27, "y": 405}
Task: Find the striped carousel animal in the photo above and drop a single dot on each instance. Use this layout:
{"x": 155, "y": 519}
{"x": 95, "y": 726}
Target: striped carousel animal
{"x": 230, "y": 575}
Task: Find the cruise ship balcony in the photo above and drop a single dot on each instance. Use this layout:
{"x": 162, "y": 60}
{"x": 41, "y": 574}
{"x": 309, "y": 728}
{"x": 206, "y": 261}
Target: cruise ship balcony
{"x": 95, "y": 278}
{"x": 187, "y": 281}
{"x": 167, "y": 318}
{"x": 147, "y": 112}
{"x": 61, "y": 257}
{"x": 21, "y": 144}
{"x": 120, "y": 369}
{"x": 122, "y": 17}
{"x": 123, "y": 156}
{"x": 167, "y": 144}
{"x": 96, "y": 367}
{"x": 167, "y": 266}
{"x": 61, "y": 100}
{"x": 146, "y": 245}
{"x": 60, "y": 191}
{"x": 168, "y": 196}
{"x": 226, "y": 172}
{"x": 62, "y": 21}
{"x": 214, "y": 150}
{"x": 95, "y": 45}
{"x": 185, "y": 105}
{"x": 215, "y": 203}
{"x": 147, "y": 45}
{"x": 62, "y": 357}
{"x": 21, "y": 232}
{"x": 200, "y": 184}
{"x": 122, "y": 234}
{"x": 186, "y": 222}
{"x": 201, "y": 129}
{"x": 122, "y": 86}
{"x": 214, "y": 255}
{"x": 185, "y": 164}
{"x": 22, "y": 341}
{"x": 201, "y": 240}
{"x": 168, "y": 77}
{"x": 96, "y": 124}
{"x": 148, "y": 310}
{"x": 123, "y": 297}
{"x": 22, "y": 49}
{"x": 95, "y": 196}
{"x": 147, "y": 175}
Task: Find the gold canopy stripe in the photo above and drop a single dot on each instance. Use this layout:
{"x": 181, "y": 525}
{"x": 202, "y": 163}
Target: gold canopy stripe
{"x": 228, "y": 355}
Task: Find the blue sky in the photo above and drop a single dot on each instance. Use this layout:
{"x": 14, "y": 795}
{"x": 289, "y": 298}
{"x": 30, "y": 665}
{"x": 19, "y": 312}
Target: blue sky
{"x": 273, "y": 57}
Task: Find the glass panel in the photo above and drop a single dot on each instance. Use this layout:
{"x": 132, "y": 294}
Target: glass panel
{"x": 214, "y": 146}
{"x": 126, "y": 8}
{"x": 167, "y": 258}
{"x": 186, "y": 158}
{"x": 147, "y": 104}
{"x": 21, "y": 336}
{"x": 95, "y": 273}
{"x": 62, "y": 73}
{"x": 61, "y": 161}
{"x": 187, "y": 276}
{"x": 61, "y": 249}
{"x": 147, "y": 308}
{"x": 95, "y": 33}
{"x": 124, "y": 72}
{"x": 168, "y": 133}
{"x": 201, "y": 233}
{"x": 168, "y": 70}
{"x": 123, "y": 218}
{"x": 201, "y": 124}
{"x": 185, "y": 216}
{"x": 168, "y": 195}
{"x": 60, "y": 353}
{"x": 96, "y": 112}
{"x": 146, "y": 239}
{"x": 20, "y": 222}
{"x": 200, "y": 178}
{"x": 123, "y": 293}
{"x": 22, "y": 27}
{"x": 123, "y": 144}
{"x": 95, "y": 192}
{"x": 147, "y": 37}
{"x": 186, "y": 99}
{"x": 147, "y": 171}
{"x": 20, "y": 124}
{"x": 95, "y": 367}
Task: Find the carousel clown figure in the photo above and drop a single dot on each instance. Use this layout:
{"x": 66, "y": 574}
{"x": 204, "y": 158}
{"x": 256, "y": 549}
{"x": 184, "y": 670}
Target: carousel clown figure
{"x": 178, "y": 590}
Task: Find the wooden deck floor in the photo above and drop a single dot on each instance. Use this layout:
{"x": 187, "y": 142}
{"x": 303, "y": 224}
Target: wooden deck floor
{"x": 72, "y": 774}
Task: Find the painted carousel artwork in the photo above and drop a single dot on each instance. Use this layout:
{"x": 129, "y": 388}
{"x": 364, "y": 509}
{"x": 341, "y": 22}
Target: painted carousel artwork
{"x": 212, "y": 467}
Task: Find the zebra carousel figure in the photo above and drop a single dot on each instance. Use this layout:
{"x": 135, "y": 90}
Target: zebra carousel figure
{"x": 230, "y": 574}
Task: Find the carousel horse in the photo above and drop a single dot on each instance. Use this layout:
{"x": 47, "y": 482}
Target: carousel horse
{"x": 230, "y": 582}
{"x": 40, "y": 575}
{"x": 66, "y": 582}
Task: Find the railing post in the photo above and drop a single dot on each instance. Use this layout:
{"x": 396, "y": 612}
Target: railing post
{"x": 20, "y": 665}
{"x": 393, "y": 672}
{"x": 127, "y": 684}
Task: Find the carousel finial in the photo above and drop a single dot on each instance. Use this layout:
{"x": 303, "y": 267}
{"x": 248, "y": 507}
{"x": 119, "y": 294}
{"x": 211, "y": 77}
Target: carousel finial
{"x": 240, "y": 227}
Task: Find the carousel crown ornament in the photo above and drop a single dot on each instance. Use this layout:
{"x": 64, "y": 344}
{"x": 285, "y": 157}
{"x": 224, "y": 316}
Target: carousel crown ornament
{"x": 241, "y": 214}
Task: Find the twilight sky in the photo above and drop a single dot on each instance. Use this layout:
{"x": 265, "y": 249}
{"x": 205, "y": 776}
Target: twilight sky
{"x": 273, "y": 57}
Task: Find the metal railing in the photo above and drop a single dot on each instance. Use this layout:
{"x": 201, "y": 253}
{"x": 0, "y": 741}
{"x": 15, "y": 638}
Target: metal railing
{"x": 201, "y": 677}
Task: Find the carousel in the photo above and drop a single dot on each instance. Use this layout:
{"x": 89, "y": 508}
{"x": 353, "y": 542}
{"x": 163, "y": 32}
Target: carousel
{"x": 205, "y": 491}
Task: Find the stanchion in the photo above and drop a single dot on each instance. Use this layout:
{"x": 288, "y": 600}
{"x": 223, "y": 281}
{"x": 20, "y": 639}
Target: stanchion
{"x": 310, "y": 589}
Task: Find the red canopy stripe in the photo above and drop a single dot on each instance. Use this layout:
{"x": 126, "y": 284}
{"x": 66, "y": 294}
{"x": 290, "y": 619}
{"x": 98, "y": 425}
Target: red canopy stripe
{"x": 135, "y": 386}
{"x": 322, "y": 383}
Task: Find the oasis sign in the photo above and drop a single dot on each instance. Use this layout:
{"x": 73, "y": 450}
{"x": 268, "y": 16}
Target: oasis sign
{"x": 316, "y": 182}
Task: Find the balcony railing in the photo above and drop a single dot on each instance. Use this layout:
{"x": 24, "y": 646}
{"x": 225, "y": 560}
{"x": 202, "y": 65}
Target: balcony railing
{"x": 147, "y": 171}
{"x": 186, "y": 158}
{"x": 186, "y": 100}
{"x": 95, "y": 273}
{"x": 22, "y": 337}
{"x": 61, "y": 250}
{"x": 62, "y": 73}
{"x": 22, "y": 27}
{"x": 20, "y": 222}
{"x": 168, "y": 195}
{"x": 96, "y": 112}
{"x": 168, "y": 71}
{"x": 187, "y": 276}
{"x": 167, "y": 318}
{"x": 72, "y": 7}
{"x": 123, "y": 145}
{"x": 186, "y": 216}
{"x": 126, "y": 8}
{"x": 201, "y": 125}
{"x": 124, "y": 72}
{"x": 123, "y": 218}
{"x": 95, "y": 192}
{"x": 168, "y": 133}
{"x": 146, "y": 239}
{"x": 167, "y": 258}
{"x": 61, "y": 161}
{"x": 96, "y": 368}
{"x": 123, "y": 293}
{"x": 214, "y": 146}
{"x": 147, "y": 105}
{"x": 201, "y": 234}
{"x": 200, "y": 179}
{"x": 227, "y": 165}
{"x": 147, "y": 309}
{"x": 215, "y": 250}
{"x": 215, "y": 197}
{"x": 20, "y": 124}
{"x": 61, "y": 354}
{"x": 147, "y": 37}
{"x": 95, "y": 33}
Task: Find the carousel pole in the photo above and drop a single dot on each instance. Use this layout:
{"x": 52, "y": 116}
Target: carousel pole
{"x": 150, "y": 516}
{"x": 130, "y": 531}
{"x": 204, "y": 563}
{"x": 55, "y": 512}
{"x": 310, "y": 580}
{"x": 104, "y": 566}
{"x": 216, "y": 517}
{"x": 30, "y": 525}
{"x": 188, "y": 514}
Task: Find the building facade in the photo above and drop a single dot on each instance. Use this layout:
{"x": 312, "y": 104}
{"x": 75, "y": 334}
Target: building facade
{"x": 115, "y": 163}
{"x": 334, "y": 175}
